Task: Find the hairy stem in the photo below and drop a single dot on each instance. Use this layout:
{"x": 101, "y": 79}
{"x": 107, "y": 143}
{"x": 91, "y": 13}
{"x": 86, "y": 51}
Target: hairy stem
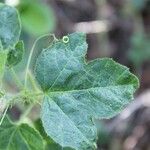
{"x": 34, "y": 85}
{"x": 18, "y": 82}
{"x": 4, "y": 114}
{"x": 24, "y": 115}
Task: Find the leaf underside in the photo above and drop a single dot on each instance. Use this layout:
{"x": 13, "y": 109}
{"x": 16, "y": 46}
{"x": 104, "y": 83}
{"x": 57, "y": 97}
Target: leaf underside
{"x": 22, "y": 137}
{"x": 76, "y": 92}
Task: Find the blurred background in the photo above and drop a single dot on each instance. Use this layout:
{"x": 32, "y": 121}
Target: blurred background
{"x": 119, "y": 29}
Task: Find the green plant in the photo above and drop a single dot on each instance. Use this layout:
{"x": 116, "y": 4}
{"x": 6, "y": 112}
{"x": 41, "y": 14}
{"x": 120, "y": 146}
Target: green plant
{"x": 139, "y": 52}
{"x": 73, "y": 91}
{"x": 36, "y": 17}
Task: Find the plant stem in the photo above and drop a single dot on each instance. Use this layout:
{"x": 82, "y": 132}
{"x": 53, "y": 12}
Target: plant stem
{"x": 34, "y": 85}
{"x": 4, "y": 114}
{"x": 19, "y": 84}
{"x": 37, "y": 94}
{"x": 26, "y": 113}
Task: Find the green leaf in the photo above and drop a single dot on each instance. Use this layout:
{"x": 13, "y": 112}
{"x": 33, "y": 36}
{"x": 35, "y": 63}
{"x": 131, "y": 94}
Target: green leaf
{"x": 9, "y": 26}
{"x": 19, "y": 137}
{"x": 37, "y": 18}
{"x": 1, "y": 46}
{"x": 54, "y": 146}
{"x": 50, "y": 144}
{"x": 139, "y": 52}
{"x": 3, "y": 59}
{"x": 138, "y": 4}
{"x": 77, "y": 92}
{"x": 15, "y": 55}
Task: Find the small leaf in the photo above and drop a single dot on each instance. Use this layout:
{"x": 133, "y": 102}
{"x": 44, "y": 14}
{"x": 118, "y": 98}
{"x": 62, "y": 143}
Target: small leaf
{"x": 3, "y": 59}
{"x": 37, "y": 18}
{"x": 15, "y": 54}
{"x": 19, "y": 137}
{"x": 9, "y": 26}
{"x": 77, "y": 92}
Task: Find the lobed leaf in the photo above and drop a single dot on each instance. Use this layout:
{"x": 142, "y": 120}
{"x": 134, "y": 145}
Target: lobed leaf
{"x": 19, "y": 137}
{"x": 77, "y": 92}
{"x": 9, "y": 26}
